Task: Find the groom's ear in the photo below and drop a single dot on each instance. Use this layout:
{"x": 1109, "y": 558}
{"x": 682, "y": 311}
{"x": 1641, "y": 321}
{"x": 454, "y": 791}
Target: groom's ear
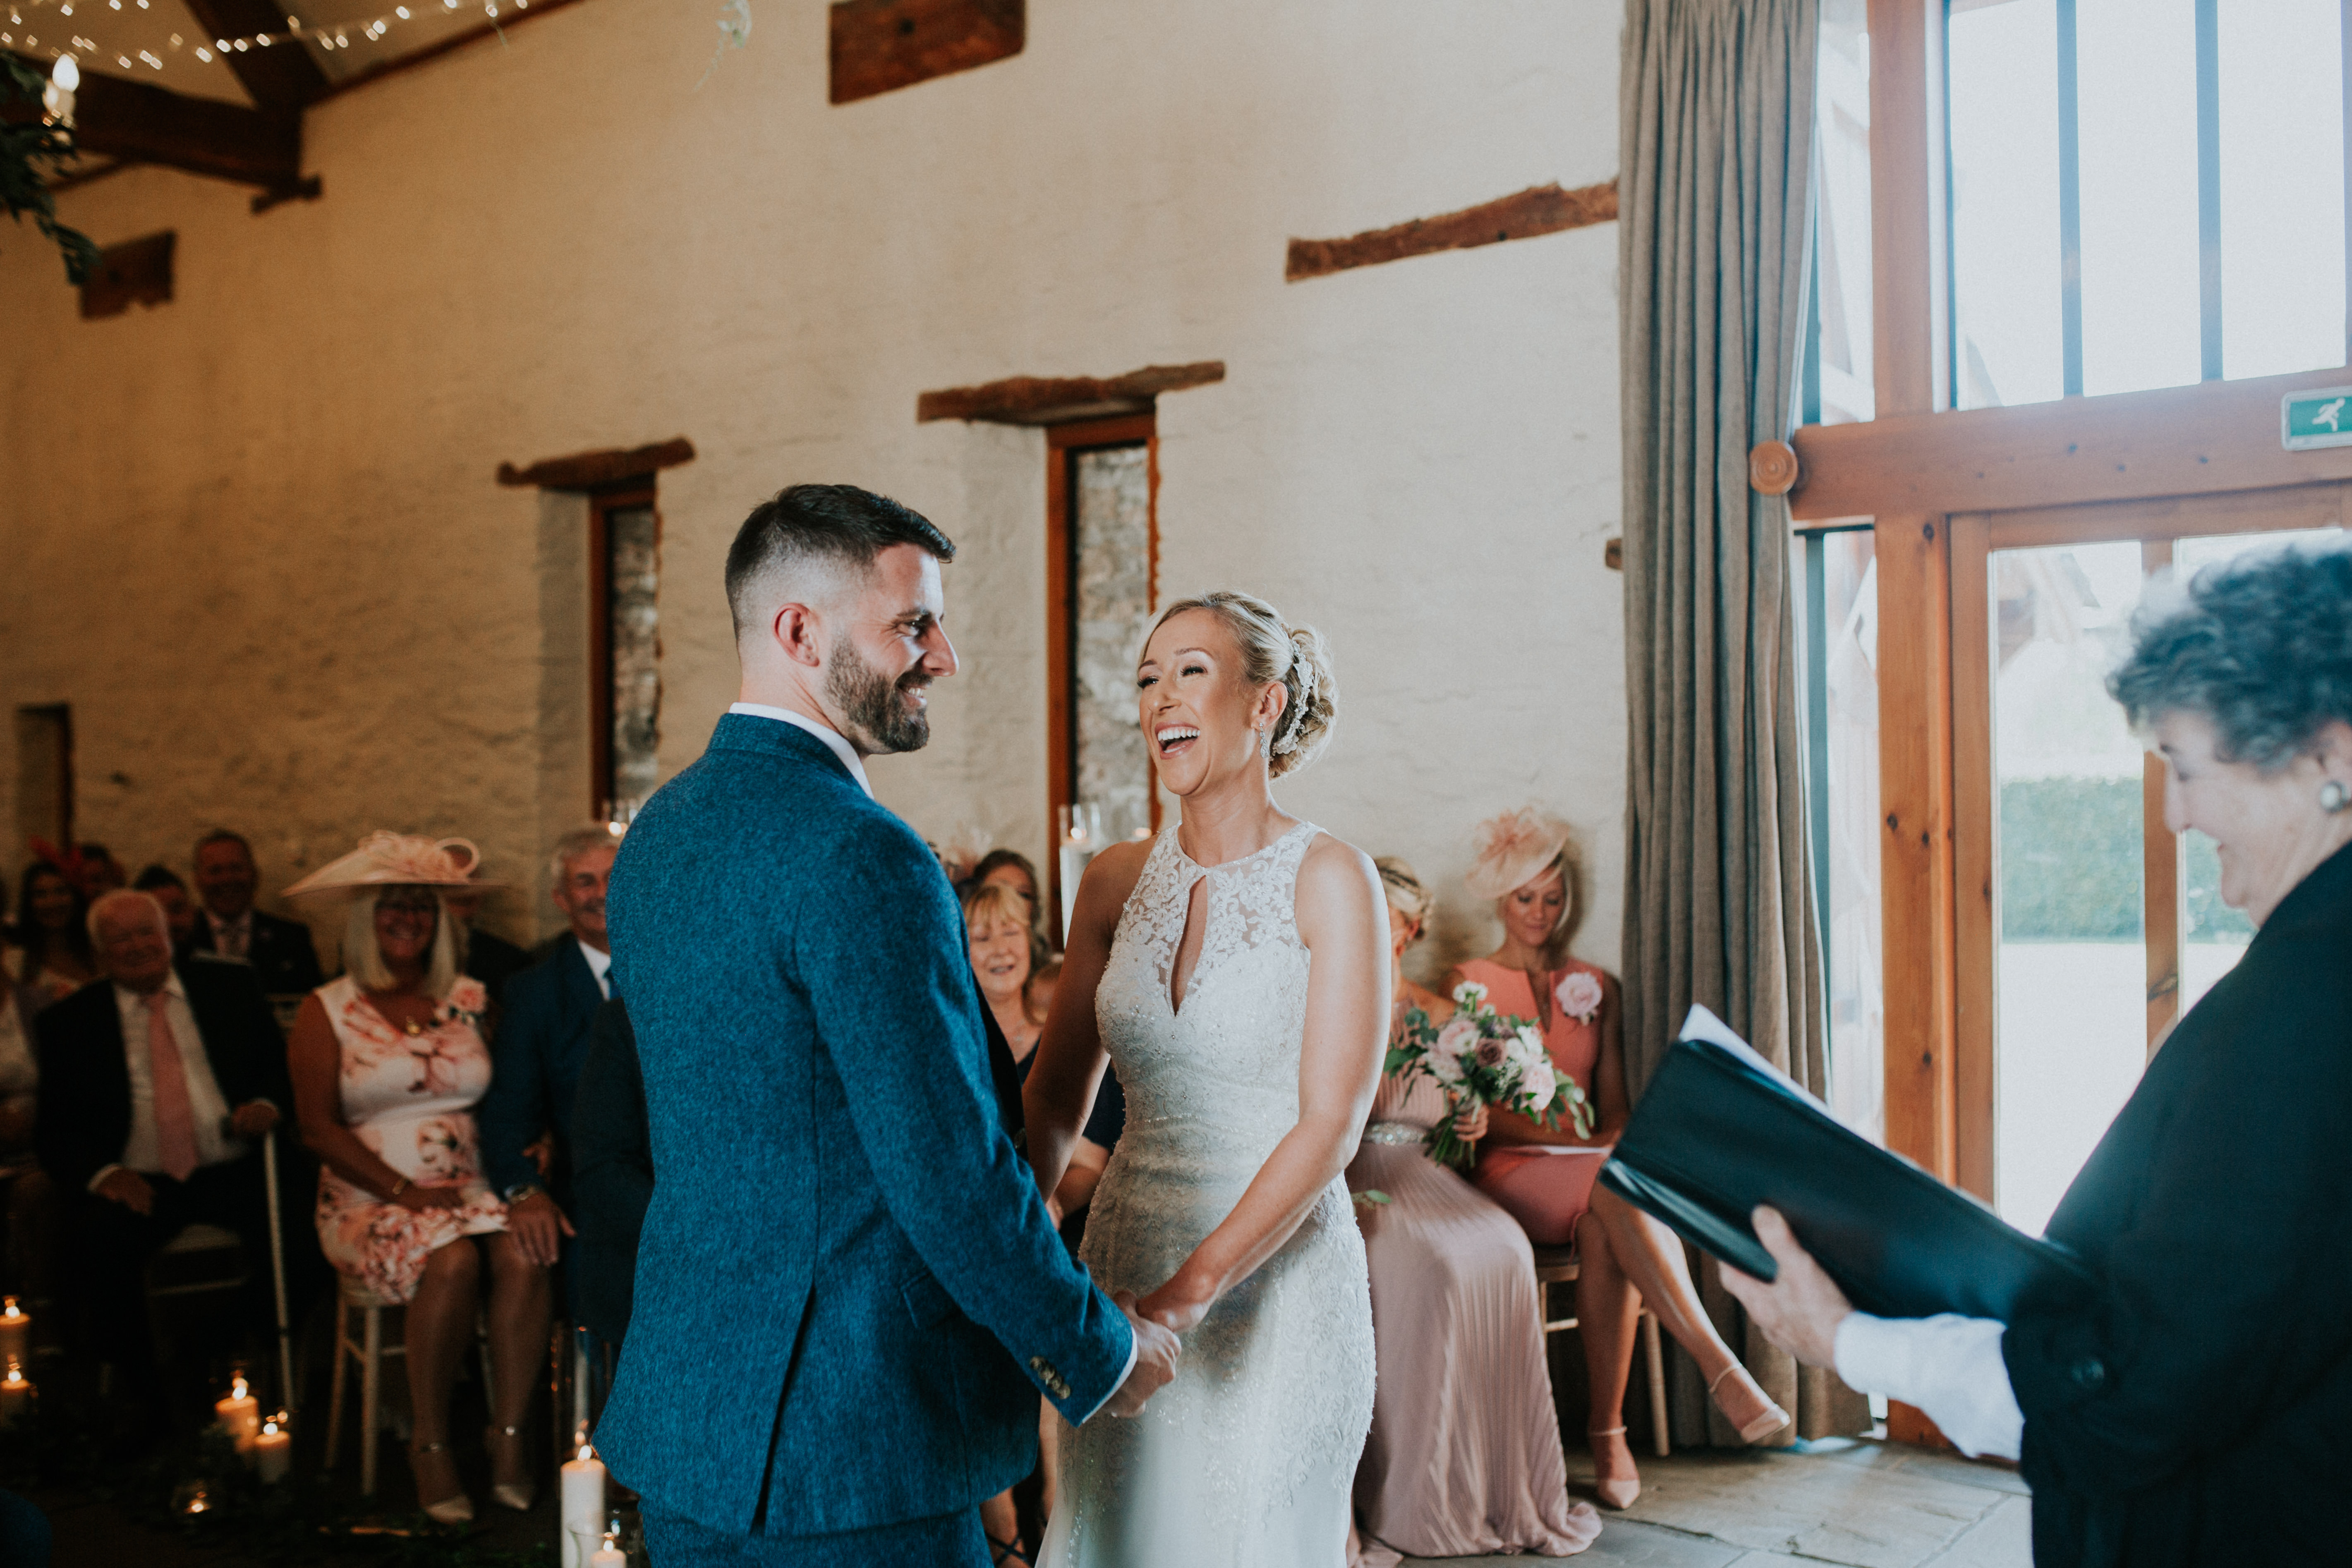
{"x": 799, "y": 631}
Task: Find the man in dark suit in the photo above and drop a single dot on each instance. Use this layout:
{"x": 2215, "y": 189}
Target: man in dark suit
{"x": 848, "y": 1293}
{"x": 541, "y": 1041}
{"x": 229, "y": 926}
{"x": 155, "y": 1082}
{"x": 612, "y": 1173}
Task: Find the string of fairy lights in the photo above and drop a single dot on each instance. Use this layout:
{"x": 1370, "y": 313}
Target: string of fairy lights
{"x": 18, "y": 33}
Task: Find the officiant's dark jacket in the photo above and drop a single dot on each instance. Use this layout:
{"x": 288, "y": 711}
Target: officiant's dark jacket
{"x": 2198, "y": 1408}
{"x": 85, "y": 1107}
{"x": 848, "y": 1293}
{"x": 279, "y": 951}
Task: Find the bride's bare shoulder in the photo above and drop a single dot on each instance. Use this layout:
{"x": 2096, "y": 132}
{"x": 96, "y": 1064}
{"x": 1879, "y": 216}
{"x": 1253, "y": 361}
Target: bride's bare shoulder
{"x": 1336, "y": 878}
{"x": 1113, "y": 873}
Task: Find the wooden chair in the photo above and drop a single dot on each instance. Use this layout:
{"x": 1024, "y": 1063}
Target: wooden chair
{"x": 371, "y": 1351}
{"x": 1558, "y": 1265}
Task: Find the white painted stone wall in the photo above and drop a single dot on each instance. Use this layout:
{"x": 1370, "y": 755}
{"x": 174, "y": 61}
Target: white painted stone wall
{"x": 252, "y": 536}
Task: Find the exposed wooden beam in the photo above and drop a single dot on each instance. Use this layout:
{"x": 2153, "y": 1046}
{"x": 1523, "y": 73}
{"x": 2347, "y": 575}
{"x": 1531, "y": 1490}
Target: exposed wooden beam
{"x": 2212, "y": 437}
{"x": 1541, "y": 210}
{"x": 283, "y": 75}
{"x": 877, "y": 45}
{"x": 133, "y": 120}
{"x": 606, "y": 466}
{"x": 482, "y": 32}
{"x": 1056, "y": 400}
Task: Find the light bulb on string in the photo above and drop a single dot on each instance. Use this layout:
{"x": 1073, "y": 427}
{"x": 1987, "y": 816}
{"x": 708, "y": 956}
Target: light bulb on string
{"x": 66, "y": 75}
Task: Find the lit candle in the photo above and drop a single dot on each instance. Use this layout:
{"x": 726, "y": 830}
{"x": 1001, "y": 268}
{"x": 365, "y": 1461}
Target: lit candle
{"x": 583, "y": 1496}
{"x": 239, "y": 1415}
{"x": 273, "y": 1450}
{"x": 15, "y": 1323}
{"x": 16, "y": 1398}
{"x": 610, "y": 1554}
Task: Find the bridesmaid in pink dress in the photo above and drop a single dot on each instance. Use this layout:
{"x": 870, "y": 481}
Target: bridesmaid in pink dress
{"x": 1528, "y": 865}
{"x": 1464, "y": 1459}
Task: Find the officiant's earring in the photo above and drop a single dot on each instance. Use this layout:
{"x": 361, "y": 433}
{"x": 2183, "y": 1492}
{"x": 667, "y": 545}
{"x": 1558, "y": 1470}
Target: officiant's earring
{"x": 2334, "y": 797}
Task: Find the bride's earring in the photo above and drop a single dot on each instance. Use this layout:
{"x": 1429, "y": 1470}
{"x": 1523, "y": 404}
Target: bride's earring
{"x": 2334, "y": 797}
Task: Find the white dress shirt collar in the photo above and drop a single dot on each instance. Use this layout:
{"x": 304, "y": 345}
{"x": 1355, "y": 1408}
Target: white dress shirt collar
{"x": 600, "y": 965}
{"x": 825, "y": 732}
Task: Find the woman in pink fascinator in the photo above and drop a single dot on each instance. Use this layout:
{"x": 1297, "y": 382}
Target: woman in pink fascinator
{"x": 1528, "y": 863}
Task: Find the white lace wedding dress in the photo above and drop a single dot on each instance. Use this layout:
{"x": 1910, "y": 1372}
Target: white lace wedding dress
{"x": 1247, "y": 1459}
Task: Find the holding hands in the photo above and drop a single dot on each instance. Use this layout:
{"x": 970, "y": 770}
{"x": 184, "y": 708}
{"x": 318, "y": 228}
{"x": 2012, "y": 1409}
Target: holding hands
{"x": 1157, "y": 1351}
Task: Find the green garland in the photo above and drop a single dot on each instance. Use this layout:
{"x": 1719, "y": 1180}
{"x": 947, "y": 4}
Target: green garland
{"x": 30, "y": 150}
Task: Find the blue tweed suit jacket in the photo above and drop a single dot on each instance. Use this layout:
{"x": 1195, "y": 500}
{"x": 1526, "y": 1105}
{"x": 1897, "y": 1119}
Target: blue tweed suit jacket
{"x": 847, "y": 1290}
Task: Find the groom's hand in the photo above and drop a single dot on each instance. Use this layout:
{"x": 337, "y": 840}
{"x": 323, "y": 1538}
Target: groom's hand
{"x": 1156, "y": 1349}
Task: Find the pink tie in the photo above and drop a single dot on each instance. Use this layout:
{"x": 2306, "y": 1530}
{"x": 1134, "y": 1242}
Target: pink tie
{"x": 175, "y": 1121}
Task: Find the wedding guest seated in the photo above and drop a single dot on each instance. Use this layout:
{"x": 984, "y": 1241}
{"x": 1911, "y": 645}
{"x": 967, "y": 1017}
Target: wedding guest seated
{"x": 32, "y": 1207}
{"x": 1011, "y": 869}
{"x": 154, "y": 1089}
{"x": 164, "y": 885}
{"x": 485, "y": 954}
{"x": 542, "y": 1038}
{"x": 1528, "y": 865}
{"x": 1464, "y": 1459}
{"x": 388, "y": 1064}
{"x": 52, "y": 951}
{"x": 612, "y": 1173}
{"x": 281, "y": 951}
{"x": 101, "y": 871}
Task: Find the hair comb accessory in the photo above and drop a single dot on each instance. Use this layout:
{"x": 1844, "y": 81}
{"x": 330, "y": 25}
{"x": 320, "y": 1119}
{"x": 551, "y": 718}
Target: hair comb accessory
{"x": 1303, "y": 669}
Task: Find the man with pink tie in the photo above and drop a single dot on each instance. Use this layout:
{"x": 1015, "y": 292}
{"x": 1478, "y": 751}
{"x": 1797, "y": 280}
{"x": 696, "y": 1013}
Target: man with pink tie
{"x": 157, "y": 1083}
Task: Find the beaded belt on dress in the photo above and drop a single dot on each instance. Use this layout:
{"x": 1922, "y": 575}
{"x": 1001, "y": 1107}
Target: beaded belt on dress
{"x": 1394, "y": 1133}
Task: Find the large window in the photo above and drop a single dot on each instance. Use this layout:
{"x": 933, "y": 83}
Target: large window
{"x": 2145, "y": 193}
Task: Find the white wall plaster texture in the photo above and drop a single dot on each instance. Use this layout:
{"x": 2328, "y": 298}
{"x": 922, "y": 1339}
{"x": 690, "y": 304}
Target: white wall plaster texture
{"x": 253, "y": 540}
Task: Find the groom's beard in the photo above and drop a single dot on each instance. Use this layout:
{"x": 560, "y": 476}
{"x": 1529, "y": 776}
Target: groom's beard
{"x": 872, "y": 702}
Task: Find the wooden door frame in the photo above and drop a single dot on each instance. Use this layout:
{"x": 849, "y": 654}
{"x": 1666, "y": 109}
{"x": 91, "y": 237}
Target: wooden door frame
{"x": 1975, "y": 537}
{"x": 602, "y": 503}
{"x": 1907, "y": 472}
{"x": 1063, "y": 443}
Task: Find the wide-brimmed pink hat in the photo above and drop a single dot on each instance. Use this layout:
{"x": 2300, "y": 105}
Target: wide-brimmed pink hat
{"x": 397, "y": 861}
{"x": 1512, "y": 849}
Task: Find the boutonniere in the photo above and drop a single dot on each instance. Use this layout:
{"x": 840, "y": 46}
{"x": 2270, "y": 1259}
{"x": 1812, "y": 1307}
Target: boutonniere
{"x": 1578, "y": 995}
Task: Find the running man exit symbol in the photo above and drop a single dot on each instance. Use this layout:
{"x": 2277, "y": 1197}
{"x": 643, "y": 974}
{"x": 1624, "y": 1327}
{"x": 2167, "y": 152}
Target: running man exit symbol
{"x": 2321, "y": 418}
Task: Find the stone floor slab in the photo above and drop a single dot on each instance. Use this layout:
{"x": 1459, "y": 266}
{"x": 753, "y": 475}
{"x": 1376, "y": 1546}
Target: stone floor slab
{"x": 1624, "y": 1543}
{"x": 2003, "y": 1539}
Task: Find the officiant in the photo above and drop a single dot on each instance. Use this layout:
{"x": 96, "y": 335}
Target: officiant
{"x": 2191, "y": 1408}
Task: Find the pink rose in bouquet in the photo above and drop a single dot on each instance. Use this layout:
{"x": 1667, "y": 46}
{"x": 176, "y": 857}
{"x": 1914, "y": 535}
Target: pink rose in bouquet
{"x": 1479, "y": 1057}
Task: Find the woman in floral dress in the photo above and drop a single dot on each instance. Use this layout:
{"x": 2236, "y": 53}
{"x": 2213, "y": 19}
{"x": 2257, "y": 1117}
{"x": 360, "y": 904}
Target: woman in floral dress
{"x": 388, "y": 1061}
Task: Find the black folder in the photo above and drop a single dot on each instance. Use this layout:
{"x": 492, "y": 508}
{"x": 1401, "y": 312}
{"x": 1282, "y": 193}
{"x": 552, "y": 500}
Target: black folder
{"x": 1720, "y": 1130}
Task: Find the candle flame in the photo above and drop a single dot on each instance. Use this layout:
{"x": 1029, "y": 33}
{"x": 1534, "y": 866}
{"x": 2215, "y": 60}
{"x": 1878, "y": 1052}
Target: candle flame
{"x": 237, "y": 1387}
{"x": 15, "y": 1373}
{"x": 8, "y": 1308}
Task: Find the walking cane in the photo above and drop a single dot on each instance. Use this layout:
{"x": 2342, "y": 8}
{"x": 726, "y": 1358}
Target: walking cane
{"x": 277, "y": 1267}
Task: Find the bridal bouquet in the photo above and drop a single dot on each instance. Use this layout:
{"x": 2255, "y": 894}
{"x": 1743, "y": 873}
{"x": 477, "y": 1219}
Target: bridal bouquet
{"x": 1481, "y": 1058}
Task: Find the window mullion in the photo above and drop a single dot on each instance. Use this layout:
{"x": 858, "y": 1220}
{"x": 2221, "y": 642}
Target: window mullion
{"x": 2070, "y": 203}
{"x": 2209, "y": 189}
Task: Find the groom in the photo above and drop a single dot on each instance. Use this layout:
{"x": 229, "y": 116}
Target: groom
{"x": 849, "y": 1291}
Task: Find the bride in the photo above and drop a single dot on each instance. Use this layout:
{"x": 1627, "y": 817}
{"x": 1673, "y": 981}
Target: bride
{"x": 1236, "y": 969}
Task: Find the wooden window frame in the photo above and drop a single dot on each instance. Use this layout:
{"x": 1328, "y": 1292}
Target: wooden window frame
{"x": 602, "y": 503}
{"x": 1063, "y": 443}
{"x": 2059, "y": 471}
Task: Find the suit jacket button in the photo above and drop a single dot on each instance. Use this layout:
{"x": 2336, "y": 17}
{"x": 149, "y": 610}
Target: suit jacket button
{"x": 2088, "y": 1373}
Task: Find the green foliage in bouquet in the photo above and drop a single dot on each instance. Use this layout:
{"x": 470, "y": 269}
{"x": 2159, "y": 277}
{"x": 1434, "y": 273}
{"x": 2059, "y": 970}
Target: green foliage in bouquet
{"x": 1479, "y": 1057}
{"x": 26, "y": 151}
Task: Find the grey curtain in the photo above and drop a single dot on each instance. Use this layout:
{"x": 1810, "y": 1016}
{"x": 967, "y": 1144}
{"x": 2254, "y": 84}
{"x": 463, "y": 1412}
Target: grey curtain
{"x": 1715, "y": 215}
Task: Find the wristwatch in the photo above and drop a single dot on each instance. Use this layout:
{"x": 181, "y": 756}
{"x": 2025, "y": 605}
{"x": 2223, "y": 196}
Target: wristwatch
{"x": 523, "y": 1189}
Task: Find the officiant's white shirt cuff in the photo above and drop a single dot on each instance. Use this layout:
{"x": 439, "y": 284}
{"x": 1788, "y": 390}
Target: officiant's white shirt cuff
{"x": 1949, "y": 1367}
{"x": 825, "y": 732}
{"x": 1134, "y": 1349}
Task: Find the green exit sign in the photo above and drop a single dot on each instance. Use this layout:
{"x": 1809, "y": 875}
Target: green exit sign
{"x": 2309, "y": 420}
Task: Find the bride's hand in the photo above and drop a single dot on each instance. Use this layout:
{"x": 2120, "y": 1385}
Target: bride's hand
{"x": 1175, "y": 1305}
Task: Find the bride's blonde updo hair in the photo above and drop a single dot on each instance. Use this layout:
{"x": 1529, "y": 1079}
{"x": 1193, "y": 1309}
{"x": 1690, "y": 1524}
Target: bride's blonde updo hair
{"x": 1273, "y": 650}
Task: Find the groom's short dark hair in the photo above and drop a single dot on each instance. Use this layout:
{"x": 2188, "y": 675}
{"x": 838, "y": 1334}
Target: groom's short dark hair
{"x": 820, "y": 524}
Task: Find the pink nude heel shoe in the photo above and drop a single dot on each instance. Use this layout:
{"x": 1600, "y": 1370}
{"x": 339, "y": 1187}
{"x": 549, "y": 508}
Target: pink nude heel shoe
{"x": 1760, "y": 1425}
{"x": 1618, "y": 1491}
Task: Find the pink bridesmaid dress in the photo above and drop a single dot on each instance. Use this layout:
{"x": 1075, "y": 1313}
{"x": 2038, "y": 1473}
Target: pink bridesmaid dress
{"x": 1545, "y": 1187}
{"x": 1464, "y": 1459}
